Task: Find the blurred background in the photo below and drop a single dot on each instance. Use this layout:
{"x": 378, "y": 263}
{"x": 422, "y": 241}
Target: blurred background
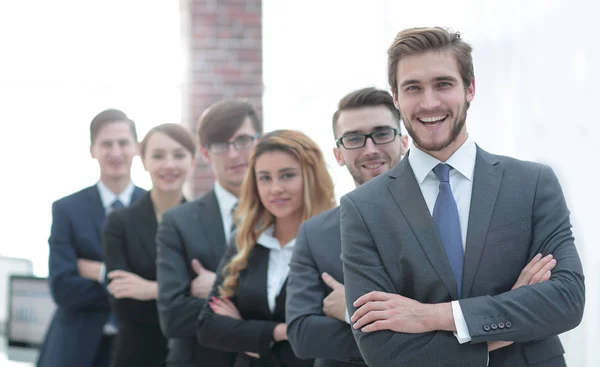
{"x": 164, "y": 61}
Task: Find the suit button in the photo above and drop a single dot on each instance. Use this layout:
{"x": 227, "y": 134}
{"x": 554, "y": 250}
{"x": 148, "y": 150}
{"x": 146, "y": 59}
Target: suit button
{"x": 508, "y": 324}
{"x": 486, "y": 327}
{"x": 494, "y": 326}
{"x": 501, "y": 325}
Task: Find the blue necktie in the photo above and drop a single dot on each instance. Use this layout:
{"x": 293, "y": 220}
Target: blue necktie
{"x": 445, "y": 217}
{"x": 117, "y": 204}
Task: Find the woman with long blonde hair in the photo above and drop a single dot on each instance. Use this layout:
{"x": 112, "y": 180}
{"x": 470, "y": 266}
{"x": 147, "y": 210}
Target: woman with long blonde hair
{"x": 287, "y": 182}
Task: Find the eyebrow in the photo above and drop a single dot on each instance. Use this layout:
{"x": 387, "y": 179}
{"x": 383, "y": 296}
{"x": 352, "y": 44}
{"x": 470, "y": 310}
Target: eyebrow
{"x": 379, "y": 127}
{"x": 287, "y": 169}
{"x": 436, "y": 79}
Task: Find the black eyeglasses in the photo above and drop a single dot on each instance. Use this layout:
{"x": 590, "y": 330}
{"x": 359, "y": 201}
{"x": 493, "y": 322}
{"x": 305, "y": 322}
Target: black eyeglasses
{"x": 241, "y": 143}
{"x": 356, "y": 141}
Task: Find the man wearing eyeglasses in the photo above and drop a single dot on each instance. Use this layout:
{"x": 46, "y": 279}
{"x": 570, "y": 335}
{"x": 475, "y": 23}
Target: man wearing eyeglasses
{"x": 192, "y": 237}
{"x": 366, "y": 127}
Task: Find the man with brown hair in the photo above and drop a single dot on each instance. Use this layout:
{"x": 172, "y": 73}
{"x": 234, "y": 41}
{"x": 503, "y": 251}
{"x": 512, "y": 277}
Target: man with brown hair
{"x": 432, "y": 249}
{"x": 82, "y": 330}
{"x": 192, "y": 237}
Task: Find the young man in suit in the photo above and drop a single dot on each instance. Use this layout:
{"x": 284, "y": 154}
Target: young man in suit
{"x": 192, "y": 237}
{"x": 82, "y": 329}
{"x": 366, "y": 129}
{"x": 432, "y": 248}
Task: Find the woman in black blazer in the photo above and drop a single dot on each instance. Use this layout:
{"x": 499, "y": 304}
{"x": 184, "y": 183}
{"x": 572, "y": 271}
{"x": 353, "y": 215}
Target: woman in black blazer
{"x": 168, "y": 154}
{"x": 287, "y": 182}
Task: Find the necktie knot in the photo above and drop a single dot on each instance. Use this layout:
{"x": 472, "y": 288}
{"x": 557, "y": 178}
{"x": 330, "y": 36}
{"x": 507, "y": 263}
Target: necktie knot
{"x": 442, "y": 171}
{"x": 117, "y": 204}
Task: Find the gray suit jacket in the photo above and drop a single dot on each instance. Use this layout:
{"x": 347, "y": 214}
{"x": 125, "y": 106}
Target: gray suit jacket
{"x": 390, "y": 244}
{"x": 311, "y": 333}
{"x": 189, "y": 231}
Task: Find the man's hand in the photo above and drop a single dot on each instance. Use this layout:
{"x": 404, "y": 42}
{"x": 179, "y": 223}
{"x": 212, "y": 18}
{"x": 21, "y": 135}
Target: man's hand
{"x": 224, "y": 307}
{"x": 124, "y": 284}
{"x": 386, "y": 311}
{"x": 203, "y": 283}
{"x": 334, "y": 305}
{"x": 89, "y": 269}
{"x": 280, "y": 332}
{"x": 538, "y": 270}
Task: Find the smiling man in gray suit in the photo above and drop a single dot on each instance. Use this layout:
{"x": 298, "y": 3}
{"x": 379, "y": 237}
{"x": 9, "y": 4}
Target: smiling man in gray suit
{"x": 432, "y": 248}
{"x": 366, "y": 127}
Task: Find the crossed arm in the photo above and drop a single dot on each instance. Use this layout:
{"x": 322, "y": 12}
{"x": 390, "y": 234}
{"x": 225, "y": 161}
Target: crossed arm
{"x": 418, "y": 332}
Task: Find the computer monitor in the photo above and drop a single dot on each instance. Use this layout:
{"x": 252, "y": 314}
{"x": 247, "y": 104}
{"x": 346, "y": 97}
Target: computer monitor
{"x": 10, "y": 266}
{"x": 30, "y": 310}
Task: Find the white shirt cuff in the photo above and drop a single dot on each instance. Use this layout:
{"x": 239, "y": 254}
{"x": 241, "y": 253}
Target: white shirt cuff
{"x": 102, "y": 274}
{"x": 462, "y": 330}
{"x": 348, "y": 317}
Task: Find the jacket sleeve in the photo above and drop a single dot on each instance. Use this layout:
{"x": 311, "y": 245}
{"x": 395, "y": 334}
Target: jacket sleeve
{"x": 545, "y": 309}
{"x": 178, "y": 309}
{"x": 364, "y": 272}
{"x": 69, "y": 289}
{"x": 310, "y": 332}
{"x": 228, "y": 334}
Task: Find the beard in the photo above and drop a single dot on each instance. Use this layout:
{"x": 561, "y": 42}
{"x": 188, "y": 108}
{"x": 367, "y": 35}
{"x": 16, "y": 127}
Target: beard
{"x": 457, "y": 125}
{"x": 362, "y": 177}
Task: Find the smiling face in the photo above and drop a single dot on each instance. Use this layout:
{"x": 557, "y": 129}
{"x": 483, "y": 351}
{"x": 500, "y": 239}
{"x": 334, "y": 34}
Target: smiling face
{"x": 168, "y": 162}
{"x": 433, "y": 102}
{"x": 114, "y": 147}
{"x": 279, "y": 183}
{"x": 372, "y": 159}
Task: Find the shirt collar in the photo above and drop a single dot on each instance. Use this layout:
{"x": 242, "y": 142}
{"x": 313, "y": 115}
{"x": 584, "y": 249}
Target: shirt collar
{"x": 108, "y": 197}
{"x": 463, "y": 161}
{"x": 227, "y": 201}
{"x": 267, "y": 240}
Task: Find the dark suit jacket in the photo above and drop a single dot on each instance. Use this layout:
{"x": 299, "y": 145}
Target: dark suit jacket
{"x": 390, "y": 244}
{"x": 192, "y": 230}
{"x": 129, "y": 244}
{"x": 311, "y": 333}
{"x": 254, "y": 333}
{"x": 82, "y": 304}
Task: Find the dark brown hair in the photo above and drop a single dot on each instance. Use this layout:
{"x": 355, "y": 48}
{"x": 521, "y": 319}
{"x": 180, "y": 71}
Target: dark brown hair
{"x": 108, "y": 117}
{"x": 366, "y": 97}
{"x": 222, "y": 119}
{"x": 174, "y": 131}
{"x": 419, "y": 40}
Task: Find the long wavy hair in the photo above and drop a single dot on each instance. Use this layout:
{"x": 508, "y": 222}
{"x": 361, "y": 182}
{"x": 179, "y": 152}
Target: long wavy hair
{"x": 252, "y": 216}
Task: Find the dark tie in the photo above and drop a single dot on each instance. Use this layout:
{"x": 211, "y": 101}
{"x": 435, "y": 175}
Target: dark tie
{"x": 233, "y": 226}
{"x": 445, "y": 217}
{"x": 117, "y": 204}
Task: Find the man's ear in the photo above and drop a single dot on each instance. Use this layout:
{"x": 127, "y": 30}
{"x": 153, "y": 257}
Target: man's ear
{"x": 338, "y": 156}
{"x": 92, "y": 151}
{"x": 205, "y": 155}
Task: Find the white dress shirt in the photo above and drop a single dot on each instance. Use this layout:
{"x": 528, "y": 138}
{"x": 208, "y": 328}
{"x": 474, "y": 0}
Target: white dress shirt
{"x": 227, "y": 201}
{"x": 279, "y": 263}
{"x": 461, "y": 183}
{"x": 108, "y": 197}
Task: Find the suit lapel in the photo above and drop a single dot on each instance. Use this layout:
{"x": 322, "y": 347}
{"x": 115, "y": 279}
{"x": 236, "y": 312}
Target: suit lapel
{"x": 408, "y": 196}
{"x": 144, "y": 217}
{"x": 97, "y": 211}
{"x": 253, "y": 287}
{"x": 213, "y": 225}
{"x": 486, "y": 184}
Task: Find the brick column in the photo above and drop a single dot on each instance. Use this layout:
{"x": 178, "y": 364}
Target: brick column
{"x": 222, "y": 44}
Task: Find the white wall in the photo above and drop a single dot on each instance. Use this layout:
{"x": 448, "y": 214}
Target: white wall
{"x": 536, "y": 98}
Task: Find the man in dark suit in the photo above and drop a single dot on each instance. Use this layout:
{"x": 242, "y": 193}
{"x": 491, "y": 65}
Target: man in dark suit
{"x": 432, "y": 248}
{"x": 82, "y": 328}
{"x": 192, "y": 237}
{"x": 366, "y": 128}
